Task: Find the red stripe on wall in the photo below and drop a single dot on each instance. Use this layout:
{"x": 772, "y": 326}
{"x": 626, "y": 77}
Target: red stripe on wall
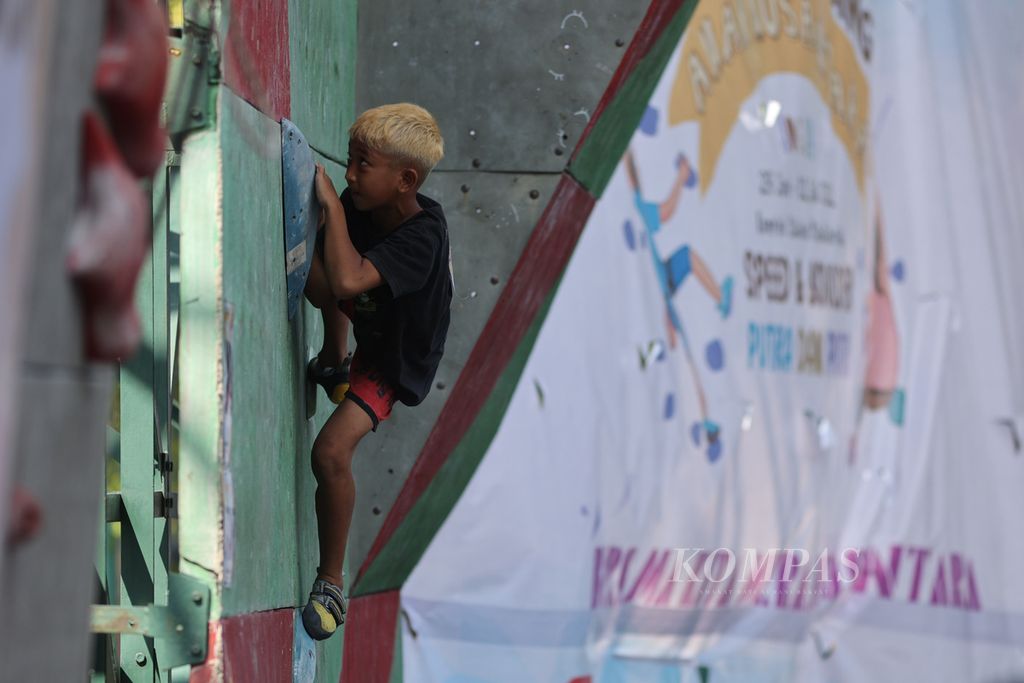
{"x": 658, "y": 17}
{"x": 207, "y": 672}
{"x": 370, "y": 638}
{"x": 257, "y": 64}
{"x": 540, "y": 265}
{"x": 258, "y": 646}
{"x": 254, "y": 647}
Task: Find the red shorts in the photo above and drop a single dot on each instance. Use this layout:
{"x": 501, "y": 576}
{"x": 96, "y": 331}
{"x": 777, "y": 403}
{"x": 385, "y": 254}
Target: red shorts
{"x": 368, "y": 388}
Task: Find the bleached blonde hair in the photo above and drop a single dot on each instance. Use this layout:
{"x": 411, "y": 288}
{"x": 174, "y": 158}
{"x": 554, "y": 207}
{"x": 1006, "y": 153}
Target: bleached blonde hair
{"x": 405, "y": 131}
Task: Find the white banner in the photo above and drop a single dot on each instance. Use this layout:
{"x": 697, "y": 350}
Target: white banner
{"x": 766, "y": 432}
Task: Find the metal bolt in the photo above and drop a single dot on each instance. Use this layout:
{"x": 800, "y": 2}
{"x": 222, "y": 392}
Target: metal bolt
{"x": 179, "y": 628}
{"x": 197, "y": 597}
{"x": 465, "y": 189}
{"x": 619, "y": 42}
{"x": 197, "y": 60}
{"x": 196, "y": 650}
{"x": 140, "y": 659}
{"x": 476, "y": 163}
{"x": 131, "y": 623}
{"x": 196, "y": 113}
{"x": 534, "y": 194}
{"x": 558, "y": 151}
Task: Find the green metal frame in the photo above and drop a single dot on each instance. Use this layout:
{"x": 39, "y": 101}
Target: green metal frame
{"x": 155, "y": 619}
{"x": 179, "y": 628}
{"x": 158, "y": 618}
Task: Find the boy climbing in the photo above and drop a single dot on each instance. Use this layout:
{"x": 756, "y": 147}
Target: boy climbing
{"x": 382, "y": 262}
{"x": 672, "y": 272}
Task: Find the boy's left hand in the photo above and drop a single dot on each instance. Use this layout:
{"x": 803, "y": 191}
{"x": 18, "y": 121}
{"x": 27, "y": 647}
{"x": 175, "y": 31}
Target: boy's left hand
{"x": 325, "y": 191}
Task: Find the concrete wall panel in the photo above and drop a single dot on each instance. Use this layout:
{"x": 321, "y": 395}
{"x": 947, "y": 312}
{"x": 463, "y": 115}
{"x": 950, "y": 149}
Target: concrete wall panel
{"x": 511, "y": 83}
{"x": 264, "y": 439}
{"x": 247, "y": 513}
{"x": 256, "y": 58}
{"x": 323, "y": 54}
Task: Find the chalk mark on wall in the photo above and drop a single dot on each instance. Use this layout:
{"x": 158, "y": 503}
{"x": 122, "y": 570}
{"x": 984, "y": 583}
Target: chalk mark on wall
{"x": 575, "y": 14}
{"x": 227, "y": 481}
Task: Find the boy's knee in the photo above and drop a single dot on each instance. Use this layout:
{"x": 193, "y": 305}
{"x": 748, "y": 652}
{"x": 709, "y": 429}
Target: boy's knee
{"x": 315, "y": 293}
{"x": 331, "y": 459}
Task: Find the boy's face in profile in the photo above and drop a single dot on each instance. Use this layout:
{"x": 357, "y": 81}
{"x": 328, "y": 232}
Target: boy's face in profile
{"x": 374, "y": 179}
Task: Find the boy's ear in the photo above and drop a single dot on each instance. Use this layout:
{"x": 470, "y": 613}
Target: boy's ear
{"x": 409, "y": 179}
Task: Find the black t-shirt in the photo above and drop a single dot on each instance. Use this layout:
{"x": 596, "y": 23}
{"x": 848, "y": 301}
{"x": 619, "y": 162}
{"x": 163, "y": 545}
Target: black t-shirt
{"x": 401, "y": 326}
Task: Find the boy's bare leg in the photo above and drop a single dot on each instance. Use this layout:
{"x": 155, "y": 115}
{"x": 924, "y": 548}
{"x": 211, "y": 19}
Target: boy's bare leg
{"x": 668, "y": 207}
{"x": 318, "y": 291}
{"x": 703, "y": 273}
{"x": 333, "y": 451}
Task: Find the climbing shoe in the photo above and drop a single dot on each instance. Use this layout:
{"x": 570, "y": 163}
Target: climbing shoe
{"x": 324, "y": 611}
{"x": 333, "y": 380}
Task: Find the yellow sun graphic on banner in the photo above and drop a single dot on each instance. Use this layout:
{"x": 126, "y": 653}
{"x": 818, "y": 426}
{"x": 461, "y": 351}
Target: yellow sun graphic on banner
{"x": 730, "y": 45}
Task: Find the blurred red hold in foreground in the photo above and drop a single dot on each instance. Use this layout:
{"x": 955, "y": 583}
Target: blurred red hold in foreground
{"x": 111, "y": 232}
{"x": 26, "y": 517}
{"x": 106, "y": 247}
{"x": 130, "y": 77}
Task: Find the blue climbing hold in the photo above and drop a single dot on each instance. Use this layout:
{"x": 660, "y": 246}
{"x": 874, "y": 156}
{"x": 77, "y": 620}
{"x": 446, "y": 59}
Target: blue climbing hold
{"x": 649, "y": 123}
{"x": 301, "y": 211}
{"x": 715, "y": 355}
{"x": 898, "y": 271}
{"x": 714, "y": 451}
{"x": 692, "y": 179}
{"x": 627, "y": 228}
{"x": 670, "y": 405}
{"x": 695, "y": 433}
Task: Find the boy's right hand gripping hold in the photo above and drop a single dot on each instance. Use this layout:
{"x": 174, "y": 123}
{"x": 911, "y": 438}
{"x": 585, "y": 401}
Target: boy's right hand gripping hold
{"x": 324, "y": 186}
